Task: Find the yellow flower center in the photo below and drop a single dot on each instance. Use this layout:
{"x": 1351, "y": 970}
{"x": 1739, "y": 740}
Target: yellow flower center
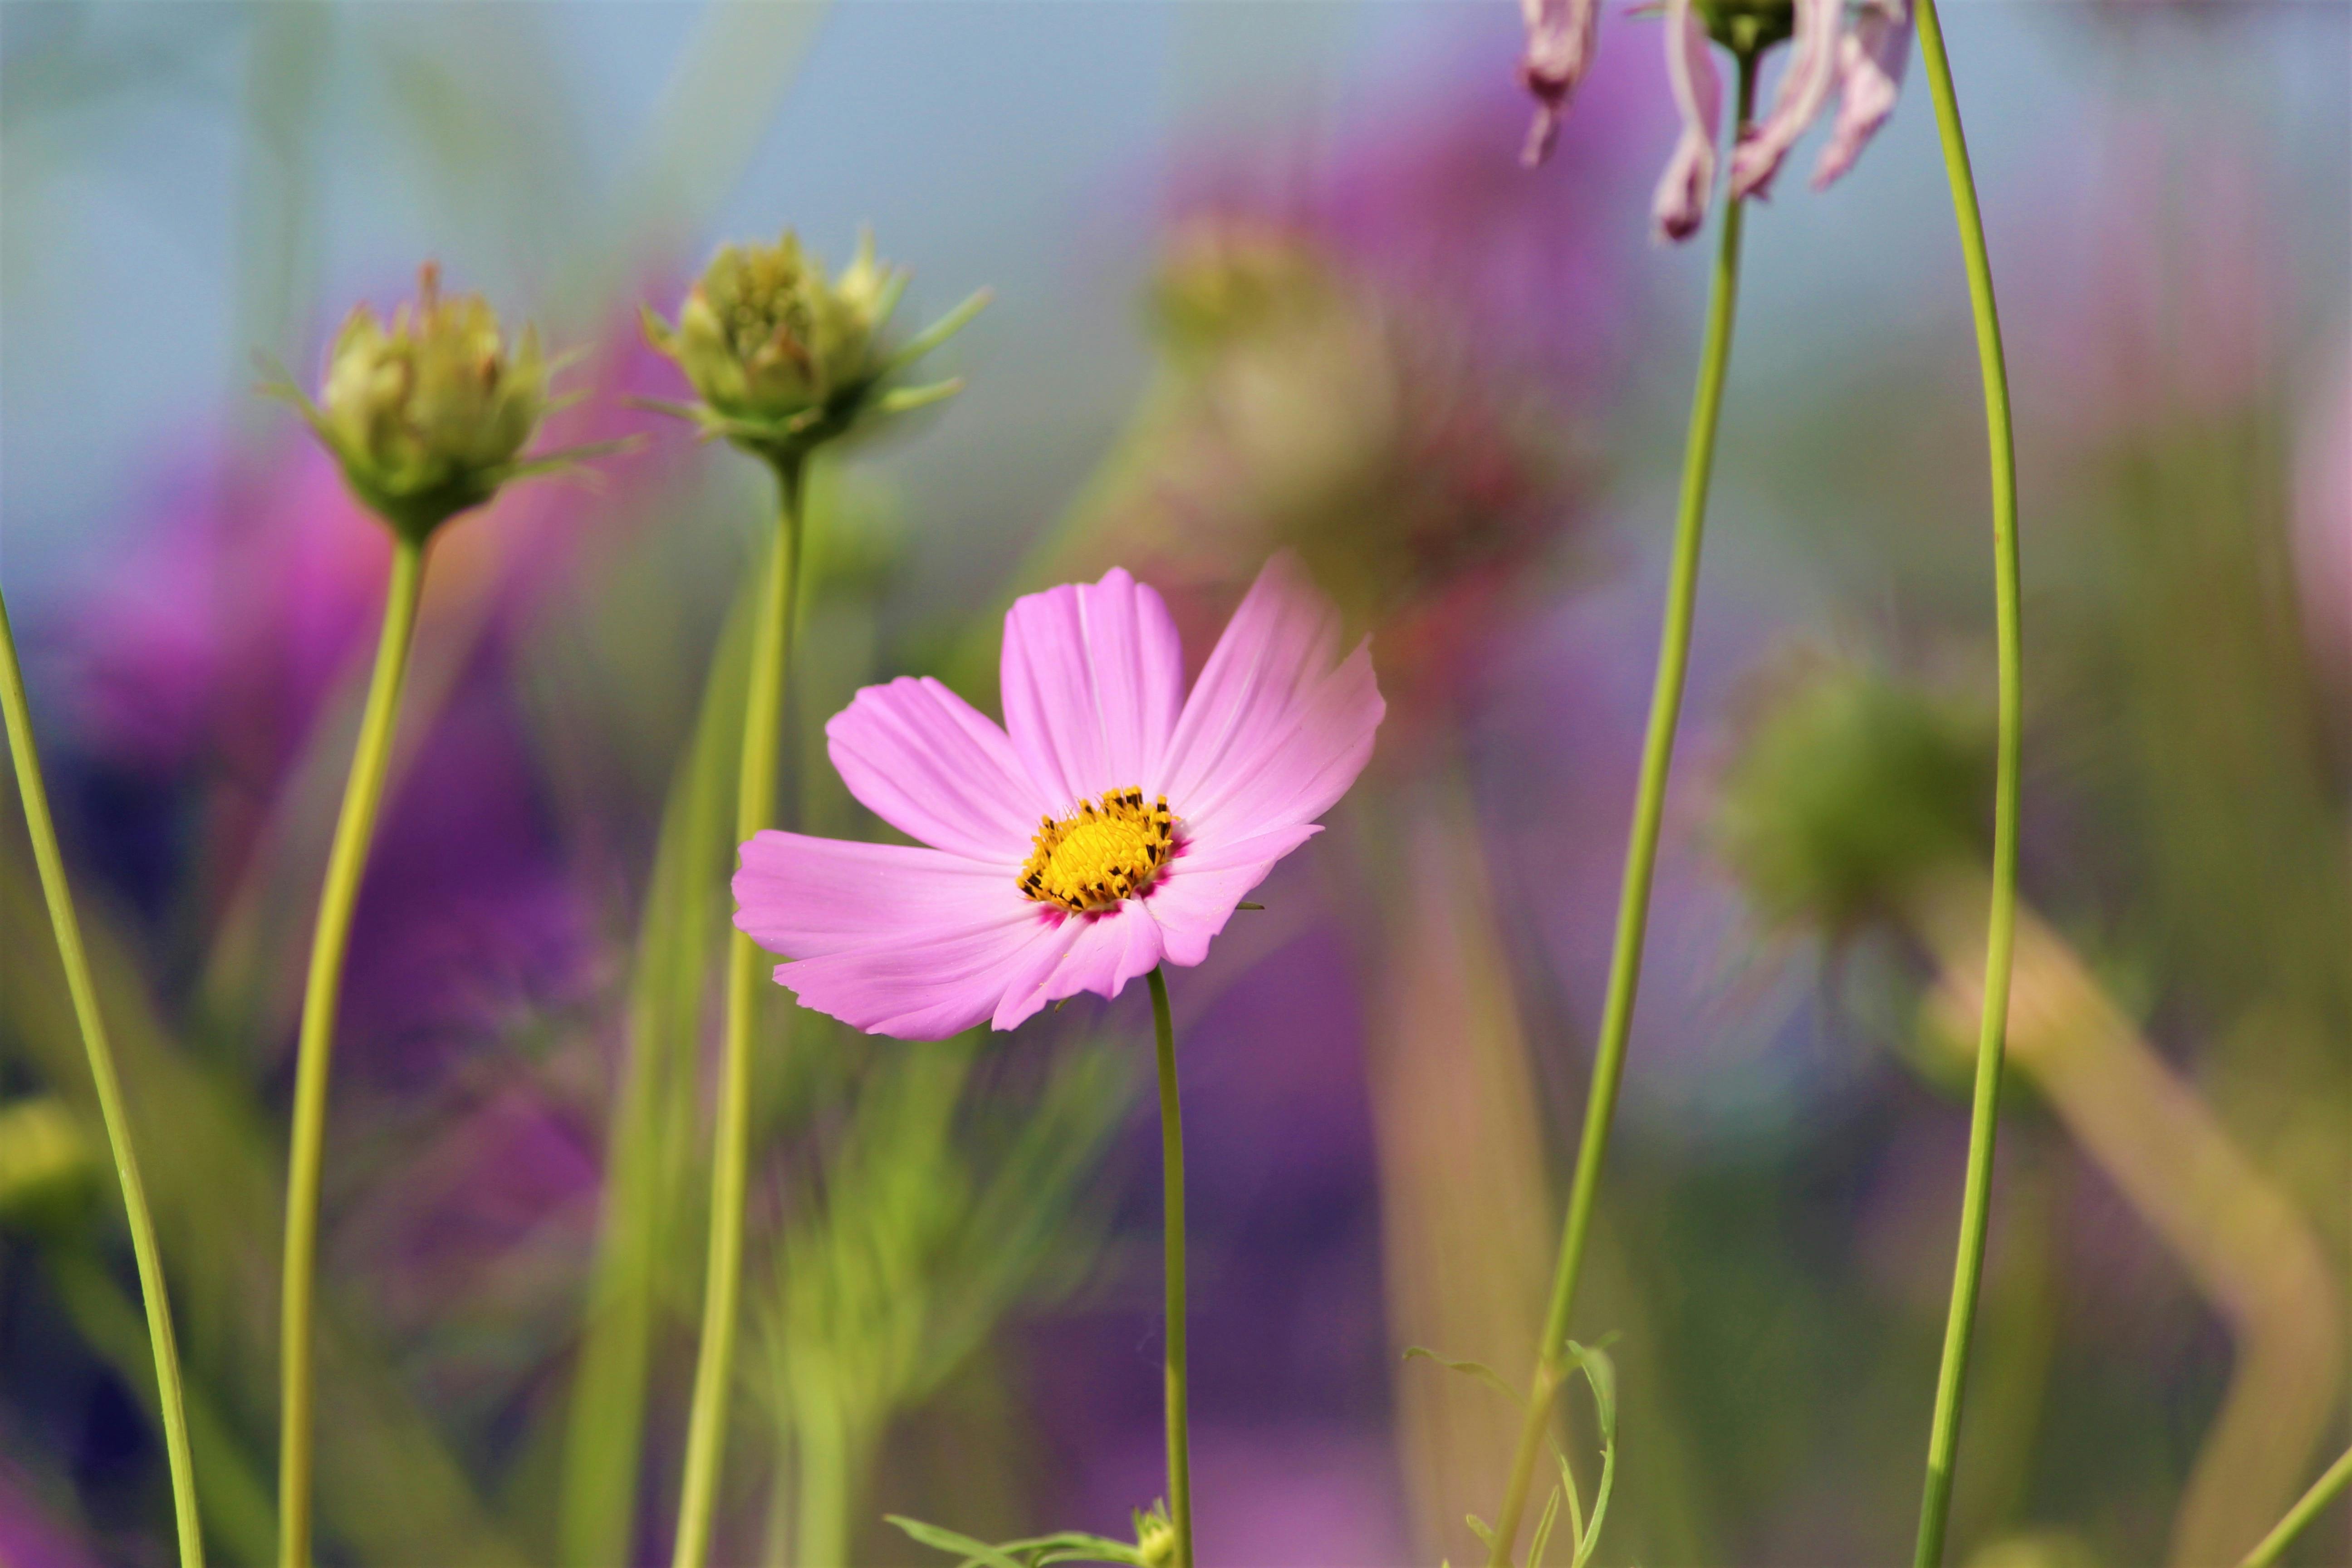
{"x": 1104, "y": 852}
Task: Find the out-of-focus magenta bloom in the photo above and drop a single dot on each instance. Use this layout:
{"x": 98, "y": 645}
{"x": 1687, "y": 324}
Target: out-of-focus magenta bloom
{"x": 1112, "y": 825}
{"x": 1560, "y": 50}
{"x": 1680, "y": 205}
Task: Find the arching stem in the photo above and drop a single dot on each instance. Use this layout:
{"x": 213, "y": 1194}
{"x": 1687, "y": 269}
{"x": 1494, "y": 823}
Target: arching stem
{"x": 1552, "y": 1364}
{"x": 1943, "y": 1434}
{"x": 84, "y": 991}
{"x": 1171, "y": 1225}
{"x": 755, "y": 801}
{"x": 346, "y": 863}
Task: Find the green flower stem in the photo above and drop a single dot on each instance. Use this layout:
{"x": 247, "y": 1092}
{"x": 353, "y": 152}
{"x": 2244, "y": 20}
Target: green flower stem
{"x": 1943, "y": 1434}
{"x": 346, "y": 861}
{"x": 1172, "y": 1228}
{"x": 2324, "y": 1490}
{"x": 67, "y": 927}
{"x": 755, "y": 801}
{"x": 1553, "y": 1367}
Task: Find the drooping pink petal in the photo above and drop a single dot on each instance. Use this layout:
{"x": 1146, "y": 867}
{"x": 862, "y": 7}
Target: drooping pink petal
{"x": 800, "y": 896}
{"x": 1093, "y": 680}
{"x": 1278, "y": 727}
{"x": 1871, "y": 57}
{"x": 1680, "y": 205}
{"x": 1559, "y": 51}
{"x": 926, "y": 985}
{"x": 1797, "y": 100}
{"x": 1101, "y": 953}
{"x": 930, "y": 764}
{"x": 1196, "y": 895}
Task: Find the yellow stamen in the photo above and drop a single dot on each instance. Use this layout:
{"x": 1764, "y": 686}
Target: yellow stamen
{"x": 1104, "y": 852}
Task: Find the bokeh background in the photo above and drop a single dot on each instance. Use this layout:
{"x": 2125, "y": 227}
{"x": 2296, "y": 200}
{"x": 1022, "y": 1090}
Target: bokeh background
{"x": 1266, "y": 274}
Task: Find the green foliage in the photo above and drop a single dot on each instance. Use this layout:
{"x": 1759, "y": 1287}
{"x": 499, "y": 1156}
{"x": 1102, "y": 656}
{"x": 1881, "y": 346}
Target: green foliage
{"x": 910, "y": 1248}
{"x": 649, "y": 1193}
{"x": 1037, "y": 1551}
{"x": 1584, "y": 1536}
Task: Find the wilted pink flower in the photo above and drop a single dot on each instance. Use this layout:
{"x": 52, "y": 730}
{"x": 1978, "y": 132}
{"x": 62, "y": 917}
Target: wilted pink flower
{"x": 1112, "y": 826}
{"x": 1806, "y": 79}
{"x": 1871, "y": 56}
{"x": 1680, "y": 205}
{"x": 1559, "y": 51}
{"x": 1862, "y": 61}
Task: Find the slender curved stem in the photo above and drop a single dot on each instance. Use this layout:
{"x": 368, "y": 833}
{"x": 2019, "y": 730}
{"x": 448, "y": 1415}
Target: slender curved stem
{"x": 755, "y": 802}
{"x": 1943, "y": 1434}
{"x": 346, "y": 862}
{"x": 1552, "y": 1367}
{"x": 2308, "y": 1507}
{"x": 84, "y": 990}
{"x": 1172, "y": 1228}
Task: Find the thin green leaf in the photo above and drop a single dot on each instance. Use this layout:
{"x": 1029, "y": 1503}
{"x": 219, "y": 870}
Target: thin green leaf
{"x": 904, "y": 399}
{"x": 939, "y": 331}
{"x": 1600, "y": 1373}
{"x": 1543, "y": 1529}
{"x": 973, "y": 1552}
{"x": 1478, "y": 1368}
{"x": 1481, "y": 1529}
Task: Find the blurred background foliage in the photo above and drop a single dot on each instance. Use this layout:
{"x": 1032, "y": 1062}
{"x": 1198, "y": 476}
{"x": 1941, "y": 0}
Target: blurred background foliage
{"x": 1267, "y": 275}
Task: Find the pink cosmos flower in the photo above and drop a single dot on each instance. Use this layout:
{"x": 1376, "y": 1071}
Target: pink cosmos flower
{"x": 1112, "y": 826}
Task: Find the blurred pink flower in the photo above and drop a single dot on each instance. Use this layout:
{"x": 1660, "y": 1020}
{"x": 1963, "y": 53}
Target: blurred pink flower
{"x": 993, "y": 916}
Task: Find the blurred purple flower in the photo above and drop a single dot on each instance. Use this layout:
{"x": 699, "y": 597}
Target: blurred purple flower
{"x": 30, "y": 1537}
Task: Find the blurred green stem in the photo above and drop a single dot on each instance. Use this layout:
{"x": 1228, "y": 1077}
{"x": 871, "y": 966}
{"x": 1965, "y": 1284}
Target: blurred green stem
{"x": 755, "y": 798}
{"x": 67, "y": 927}
{"x": 1553, "y": 1367}
{"x": 1943, "y": 1433}
{"x": 2324, "y": 1490}
{"x": 346, "y": 861}
{"x": 1172, "y": 1226}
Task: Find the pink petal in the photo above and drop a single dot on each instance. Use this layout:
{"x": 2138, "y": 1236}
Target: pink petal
{"x": 803, "y": 898}
{"x": 930, "y": 764}
{"x": 1102, "y": 953}
{"x": 1092, "y": 679}
{"x": 1273, "y": 734}
{"x": 1559, "y": 51}
{"x": 1680, "y": 205}
{"x": 927, "y": 986}
{"x": 1871, "y": 57}
{"x": 1797, "y": 100}
{"x": 1196, "y": 896}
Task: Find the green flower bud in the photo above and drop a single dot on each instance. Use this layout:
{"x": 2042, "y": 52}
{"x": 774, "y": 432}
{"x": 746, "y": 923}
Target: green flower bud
{"x": 1848, "y": 788}
{"x": 429, "y": 415}
{"x": 782, "y": 358}
{"x": 1155, "y": 1537}
{"x": 49, "y": 1172}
